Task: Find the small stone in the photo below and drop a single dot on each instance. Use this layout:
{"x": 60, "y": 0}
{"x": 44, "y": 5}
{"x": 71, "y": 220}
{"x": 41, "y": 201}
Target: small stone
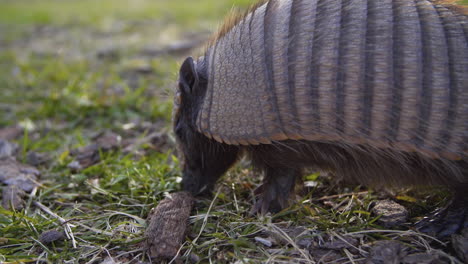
{"x": 391, "y": 213}
{"x": 7, "y": 149}
{"x": 50, "y": 236}
{"x": 193, "y": 258}
{"x": 460, "y": 245}
{"x": 12, "y": 198}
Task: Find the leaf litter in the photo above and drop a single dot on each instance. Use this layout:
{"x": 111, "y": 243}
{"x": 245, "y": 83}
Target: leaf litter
{"x": 24, "y": 177}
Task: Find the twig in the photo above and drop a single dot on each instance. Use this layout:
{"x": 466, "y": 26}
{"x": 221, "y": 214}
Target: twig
{"x": 342, "y": 195}
{"x": 67, "y": 226}
{"x": 290, "y": 241}
{"x": 94, "y": 229}
{"x": 349, "y": 255}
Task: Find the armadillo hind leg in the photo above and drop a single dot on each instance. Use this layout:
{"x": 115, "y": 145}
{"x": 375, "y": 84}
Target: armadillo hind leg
{"x": 449, "y": 220}
{"x": 274, "y": 193}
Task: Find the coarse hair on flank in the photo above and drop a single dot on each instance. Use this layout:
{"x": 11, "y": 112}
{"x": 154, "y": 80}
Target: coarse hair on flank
{"x": 231, "y": 20}
{"x": 236, "y": 15}
{"x": 455, "y": 6}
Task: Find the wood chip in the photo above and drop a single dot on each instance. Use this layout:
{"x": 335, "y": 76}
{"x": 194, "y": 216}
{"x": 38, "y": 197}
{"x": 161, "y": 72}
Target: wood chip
{"x": 167, "y": 226}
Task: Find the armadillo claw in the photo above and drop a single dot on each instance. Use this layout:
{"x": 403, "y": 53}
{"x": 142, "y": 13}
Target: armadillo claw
{"x": 269, "y": 200}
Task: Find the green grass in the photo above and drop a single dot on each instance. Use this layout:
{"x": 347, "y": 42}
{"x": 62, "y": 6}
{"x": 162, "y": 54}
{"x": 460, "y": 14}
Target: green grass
{"x": 61, "y": 90}
{"x": 100, "y": 11}
{"x": 53, "y": 84}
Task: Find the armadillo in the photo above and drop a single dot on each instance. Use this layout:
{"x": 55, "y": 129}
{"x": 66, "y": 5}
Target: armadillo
{"x": 374, "y": 90}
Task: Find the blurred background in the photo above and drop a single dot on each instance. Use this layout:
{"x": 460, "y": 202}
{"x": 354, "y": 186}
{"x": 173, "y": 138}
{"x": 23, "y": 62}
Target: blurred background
{"x": 64, "y": 59}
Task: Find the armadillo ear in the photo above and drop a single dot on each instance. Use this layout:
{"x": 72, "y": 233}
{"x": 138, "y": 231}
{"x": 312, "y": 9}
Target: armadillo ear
{"x": 188, "y": 76}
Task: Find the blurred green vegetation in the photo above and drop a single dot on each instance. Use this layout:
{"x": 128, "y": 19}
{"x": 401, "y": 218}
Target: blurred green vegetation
{"x": 45, "y": 86}
{"x": 98, "y": 12}
{"x": 183, "y": 12}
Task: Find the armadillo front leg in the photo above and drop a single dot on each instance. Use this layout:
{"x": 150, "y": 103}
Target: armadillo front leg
{"x": 276, "y": 189}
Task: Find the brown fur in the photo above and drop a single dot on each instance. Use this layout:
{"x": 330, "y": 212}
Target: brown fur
{"x": 231, "y": 20}
{"x": 455, "y": 6}
{"x": 235, "y": 16}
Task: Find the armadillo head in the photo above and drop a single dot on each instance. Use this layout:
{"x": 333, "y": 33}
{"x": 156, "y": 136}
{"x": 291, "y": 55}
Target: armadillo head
{"x": 204, "y": 160}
